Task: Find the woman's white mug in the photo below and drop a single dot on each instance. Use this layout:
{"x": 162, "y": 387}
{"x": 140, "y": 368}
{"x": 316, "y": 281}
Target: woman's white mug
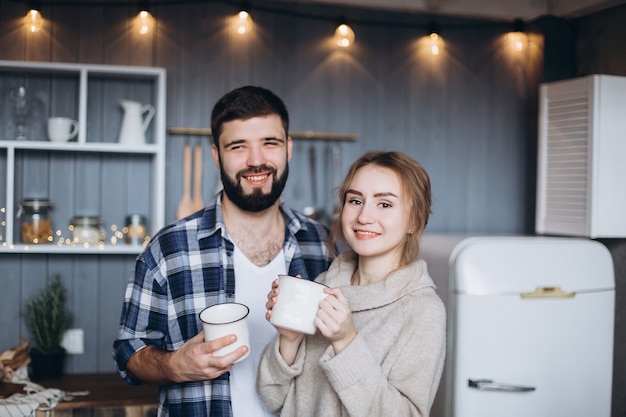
{"x": 298, "y": 302}
{"x": 220, "y": 320}
{"x": 62, "y": 129}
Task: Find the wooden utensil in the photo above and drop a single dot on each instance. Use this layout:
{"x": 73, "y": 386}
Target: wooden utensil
{"x": 336, "y": 152}
{"x": 313, "y": 212}
{"x": 197, "y": 202}
{"x": 185, "y": 206}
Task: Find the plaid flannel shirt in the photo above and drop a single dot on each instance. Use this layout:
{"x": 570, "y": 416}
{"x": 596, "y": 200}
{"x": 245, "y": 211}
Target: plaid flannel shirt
{"x": 187, "y": 267}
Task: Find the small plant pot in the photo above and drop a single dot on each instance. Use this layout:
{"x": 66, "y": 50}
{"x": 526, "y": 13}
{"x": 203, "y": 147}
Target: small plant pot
{"x": 46, "y": 365}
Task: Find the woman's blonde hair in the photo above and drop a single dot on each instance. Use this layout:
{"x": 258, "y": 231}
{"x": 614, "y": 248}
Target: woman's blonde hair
{"x": 415, "y": 184}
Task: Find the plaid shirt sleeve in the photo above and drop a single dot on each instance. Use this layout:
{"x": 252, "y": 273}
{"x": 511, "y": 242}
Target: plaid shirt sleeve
{"x": 187, "y": 267}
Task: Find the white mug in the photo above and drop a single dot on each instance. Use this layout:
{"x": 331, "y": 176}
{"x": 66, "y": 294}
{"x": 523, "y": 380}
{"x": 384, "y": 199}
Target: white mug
{"x": 220, "y": 320}
{"x": 298, "y": 302}
{"x": 62, "y": 129}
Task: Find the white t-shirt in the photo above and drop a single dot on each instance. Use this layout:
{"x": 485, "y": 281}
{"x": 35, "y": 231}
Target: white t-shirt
{"x": 252, "y": 283}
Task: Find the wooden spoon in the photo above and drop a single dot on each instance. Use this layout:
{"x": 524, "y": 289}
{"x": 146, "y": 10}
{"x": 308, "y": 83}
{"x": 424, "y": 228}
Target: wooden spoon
{"x": 185, "y": 206}
{"x": 197, "y": 202}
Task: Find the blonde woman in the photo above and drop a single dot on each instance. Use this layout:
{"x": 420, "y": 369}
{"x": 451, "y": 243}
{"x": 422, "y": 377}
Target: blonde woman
{"x": 380, "y": 345}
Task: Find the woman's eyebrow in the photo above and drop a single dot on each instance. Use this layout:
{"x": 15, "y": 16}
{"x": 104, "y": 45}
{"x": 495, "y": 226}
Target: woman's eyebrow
{"x": 385, "y": 194}
{"x": 381, "y": 194}
{"x": 351, "y": 191}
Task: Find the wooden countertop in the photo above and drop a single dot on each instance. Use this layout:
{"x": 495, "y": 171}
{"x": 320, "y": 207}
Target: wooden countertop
{"x": 105, "y": 390}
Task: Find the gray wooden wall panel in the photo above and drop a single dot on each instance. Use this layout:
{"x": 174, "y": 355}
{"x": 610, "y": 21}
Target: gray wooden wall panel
{"x": 89, "y": 41}
{"x": 10, "y": 300}
{"x": 88, "y": 186}
{"x": 64, "y": 31}
{"x": 30, "y": 175}
{"x": 97, "y": 129}
{"x": 34, "y": 272}
{"x": 62, "y": 185}
{"x": 115, "y": 33}
{"x": 86, "y": 283}
{"x": 64, "y": 266}
{"x": 109, "y": 114}
{"x": 111, "y": 287}
{"x": 12, "y": 39}
{"x": 136, "y": 196}
{"x": 66, "y": 106}
{"x": 600, "y": 50}
{"x": 467, "y": 117}
{"x": 117, "y": 191}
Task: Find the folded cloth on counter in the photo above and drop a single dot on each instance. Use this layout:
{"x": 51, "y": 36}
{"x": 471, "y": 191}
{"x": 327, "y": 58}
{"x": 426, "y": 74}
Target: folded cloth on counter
{"x": 26, "y": 405}
{"x": 35, "y": 397}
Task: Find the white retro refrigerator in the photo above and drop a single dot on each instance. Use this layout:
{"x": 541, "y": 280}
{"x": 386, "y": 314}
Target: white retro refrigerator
{"x": 530, "y": 325}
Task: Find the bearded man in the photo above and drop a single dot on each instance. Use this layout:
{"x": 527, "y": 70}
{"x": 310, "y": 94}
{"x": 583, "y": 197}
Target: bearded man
{"x": 230, "y": 251}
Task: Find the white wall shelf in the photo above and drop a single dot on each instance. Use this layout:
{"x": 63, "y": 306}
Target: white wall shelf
{"x": 106, "y": 249}
{"x": 93, "y": 174}
{"x": 149, "y": 149}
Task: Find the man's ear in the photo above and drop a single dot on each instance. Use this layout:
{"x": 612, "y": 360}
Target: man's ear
{"x": 216, "y": 156}
{"x": 289, "y": 148}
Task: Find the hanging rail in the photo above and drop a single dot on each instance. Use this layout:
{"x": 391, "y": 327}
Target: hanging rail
{"x": 205, "y": 131}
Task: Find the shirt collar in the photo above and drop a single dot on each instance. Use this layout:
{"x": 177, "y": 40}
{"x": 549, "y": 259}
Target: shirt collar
{"x": 212, "y": 220}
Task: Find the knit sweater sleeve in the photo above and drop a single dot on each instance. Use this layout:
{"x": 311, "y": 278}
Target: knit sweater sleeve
{"x": 410, "y": 387}
{"x": 275, "y": 379}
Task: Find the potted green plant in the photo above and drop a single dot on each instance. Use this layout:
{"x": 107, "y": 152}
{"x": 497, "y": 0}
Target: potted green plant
{"x": 47, "y": 319}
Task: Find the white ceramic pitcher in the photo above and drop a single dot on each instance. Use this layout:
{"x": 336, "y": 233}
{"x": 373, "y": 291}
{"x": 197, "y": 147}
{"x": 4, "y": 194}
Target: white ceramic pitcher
{"x": 136, "y": 119}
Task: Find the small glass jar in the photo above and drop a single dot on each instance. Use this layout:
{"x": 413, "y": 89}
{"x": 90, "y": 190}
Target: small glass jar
{"x": 135, "y": 229}
{"x": 34, "y": 214}
{"x": 87, "y": 229}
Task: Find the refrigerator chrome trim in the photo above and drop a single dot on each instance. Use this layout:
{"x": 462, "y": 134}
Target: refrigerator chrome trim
{"x": 489, "y": 385}
{"x": 519, "y": 294}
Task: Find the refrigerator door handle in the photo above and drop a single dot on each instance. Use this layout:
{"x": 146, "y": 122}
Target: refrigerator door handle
{"x": 489, "y": 385}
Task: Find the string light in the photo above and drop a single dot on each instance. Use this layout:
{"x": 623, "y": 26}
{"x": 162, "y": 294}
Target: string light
{"x": 436, "y": 43}
{"x": 344, "y": 35}
{"x": 144, "y": 20}
{"x": 518, "y": 35}
{"x": 116, "y": 237}
{"x": 34, "y": 21}
{"x": 244, "y": 22}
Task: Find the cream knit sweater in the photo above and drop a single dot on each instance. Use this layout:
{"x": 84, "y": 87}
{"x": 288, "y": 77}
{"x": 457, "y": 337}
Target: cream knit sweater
{"x": 393, "y": 366}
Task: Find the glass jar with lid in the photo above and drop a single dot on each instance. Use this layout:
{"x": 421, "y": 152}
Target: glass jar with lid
{"x": 135, "y": 230}
{"x": 34, "y": 214}
{"x": 87, "y": 230}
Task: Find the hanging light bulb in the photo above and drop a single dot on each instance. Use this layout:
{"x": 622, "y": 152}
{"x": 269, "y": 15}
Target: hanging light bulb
{"x": 344, "y": 35}
{"x": 34, "y": 21}
{"x": 435, "y": 39}
{"x": 144, "y": 20}
{"x": 518, "y": 35}
{"x": 244, "y": 22}
{"x": 434, "y": 43}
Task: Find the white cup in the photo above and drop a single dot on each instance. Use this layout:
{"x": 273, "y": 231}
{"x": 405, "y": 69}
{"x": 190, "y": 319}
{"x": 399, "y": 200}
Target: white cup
{"x": 298, "y": 302}
{"x": 62, "y": 129}
{"x": 220, "y": 320}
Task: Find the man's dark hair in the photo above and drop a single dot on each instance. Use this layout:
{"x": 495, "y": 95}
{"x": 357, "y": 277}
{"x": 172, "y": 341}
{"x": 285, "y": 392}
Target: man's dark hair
{"x": 245, "y": 103}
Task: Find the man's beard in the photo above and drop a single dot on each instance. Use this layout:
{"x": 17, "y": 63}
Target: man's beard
{"x": 255, "y": 201}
